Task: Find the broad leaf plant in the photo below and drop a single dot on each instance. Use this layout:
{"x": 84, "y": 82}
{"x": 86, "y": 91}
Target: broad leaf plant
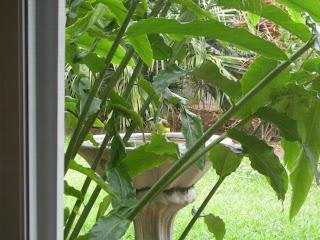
{"x": 106, "y": 37}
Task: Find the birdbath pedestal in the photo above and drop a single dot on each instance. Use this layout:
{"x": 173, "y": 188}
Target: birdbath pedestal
{"x": 156, "y": 222}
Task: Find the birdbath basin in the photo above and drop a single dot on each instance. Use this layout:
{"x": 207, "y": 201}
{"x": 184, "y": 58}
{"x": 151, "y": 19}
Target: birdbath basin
{"x": 156, "y": 222}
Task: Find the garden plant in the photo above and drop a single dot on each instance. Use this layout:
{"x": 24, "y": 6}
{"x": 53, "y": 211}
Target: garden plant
{"x": 147, "y": 41}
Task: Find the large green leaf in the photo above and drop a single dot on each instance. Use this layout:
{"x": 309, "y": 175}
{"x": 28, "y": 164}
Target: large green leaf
{"x": 119, "y": 179}
{"x": 301, "y": 179}
{"x": 166, "y": 77}
{"x": 311, "y": 6}
{"x": 118, "y": 151}
{"x": 287, "y": 126}
{"x": 174, "y": 98}
{"x": 263, "y": 160}
{"x": 103, "y": 206}
{"x": 291, "y": 152}
{"x": 312, "y": 65}
{"x": 116, "y": 8}
{"x": 83, "y": 24}
{"x": 215, "y": 225}
{"x": 110, "y": 227}
{"x": 210, "y": 28}
{"x": 224, "y": 160}
{"x": 272, "y": 13}
{"x": 201, "y": 14}
{"x": 150, "y": 155}
{"x": 95, "y": 63}
{"x": 117, "y": 99}
{"x": 160, "y": 145}
{"x": 71, "y": 191}
{"x": 192, "y": 131}
{"x": 210, "y": 73}
{"x": 102, "y": 48}
{"x": 260, "y": 68}
{"x": 93, "y": 176}
{"x": 127, "y": 113}
{"x": 161, "y": 51}
{"x": 142, "y": 46}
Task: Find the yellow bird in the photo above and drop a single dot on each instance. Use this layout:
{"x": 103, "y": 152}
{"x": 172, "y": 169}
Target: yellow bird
{"x": 162, "y": 125}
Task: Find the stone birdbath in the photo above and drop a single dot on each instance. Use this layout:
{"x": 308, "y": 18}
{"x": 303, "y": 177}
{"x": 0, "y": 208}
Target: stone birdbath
{"x": 156, "y": 222}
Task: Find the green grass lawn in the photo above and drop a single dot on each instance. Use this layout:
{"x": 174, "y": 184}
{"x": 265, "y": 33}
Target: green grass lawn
{"x": 246, "y": 203}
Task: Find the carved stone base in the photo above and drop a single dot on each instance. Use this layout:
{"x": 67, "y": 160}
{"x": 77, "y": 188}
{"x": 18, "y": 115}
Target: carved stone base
{"x": 156, "y": 222}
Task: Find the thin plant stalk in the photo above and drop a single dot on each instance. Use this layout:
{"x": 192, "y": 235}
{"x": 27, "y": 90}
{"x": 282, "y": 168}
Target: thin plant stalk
{"x": 203, "y": 205}
{"x": 91, "y": 120}
{"x": 83, "y": 135}
{"x": 166, "y": 179}
{"x": 97, "y": 84}
{"x": 104, "y": 97}
{"x": 97, "y": 190}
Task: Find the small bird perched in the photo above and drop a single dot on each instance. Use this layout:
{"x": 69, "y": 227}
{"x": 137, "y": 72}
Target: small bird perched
{"x": 162, "y": 125}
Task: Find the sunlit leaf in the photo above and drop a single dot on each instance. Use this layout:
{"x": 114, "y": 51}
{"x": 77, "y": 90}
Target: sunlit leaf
{"x": 301, "y": 179}
{"x": 224, "y": 160}
{"x": 215, "y": 225}
{"x": 116, "y": 8}
{"x": 71, "y": 191}
{"x": 291, "y": 153}
{"x": 150, "y": 155}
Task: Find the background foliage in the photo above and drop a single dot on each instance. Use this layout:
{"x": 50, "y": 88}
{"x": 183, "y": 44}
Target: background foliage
{"x": 123, "y": 61}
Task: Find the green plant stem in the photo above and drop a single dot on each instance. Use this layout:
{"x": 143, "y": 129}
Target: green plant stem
{"x": 157, "y": 8}
{"x": 163, "y": 182}
{"x": 111, "y": 85}
{"x": 86, "y": 211}
{"x": 141, "y": 112}
{"x": 97, "y": 83}
{"x": 203, "y": 205}
{"x": 165, "y": 9}
{"x": 257, "y": 129}
{"x": 309, "y": 55}
{"x": 106, "y": 139}
{"x": 104, "y": 98}
{"x": 97, "y": 190}
{"x": 132, "y": 80}
{"x": 101, "y": 150}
